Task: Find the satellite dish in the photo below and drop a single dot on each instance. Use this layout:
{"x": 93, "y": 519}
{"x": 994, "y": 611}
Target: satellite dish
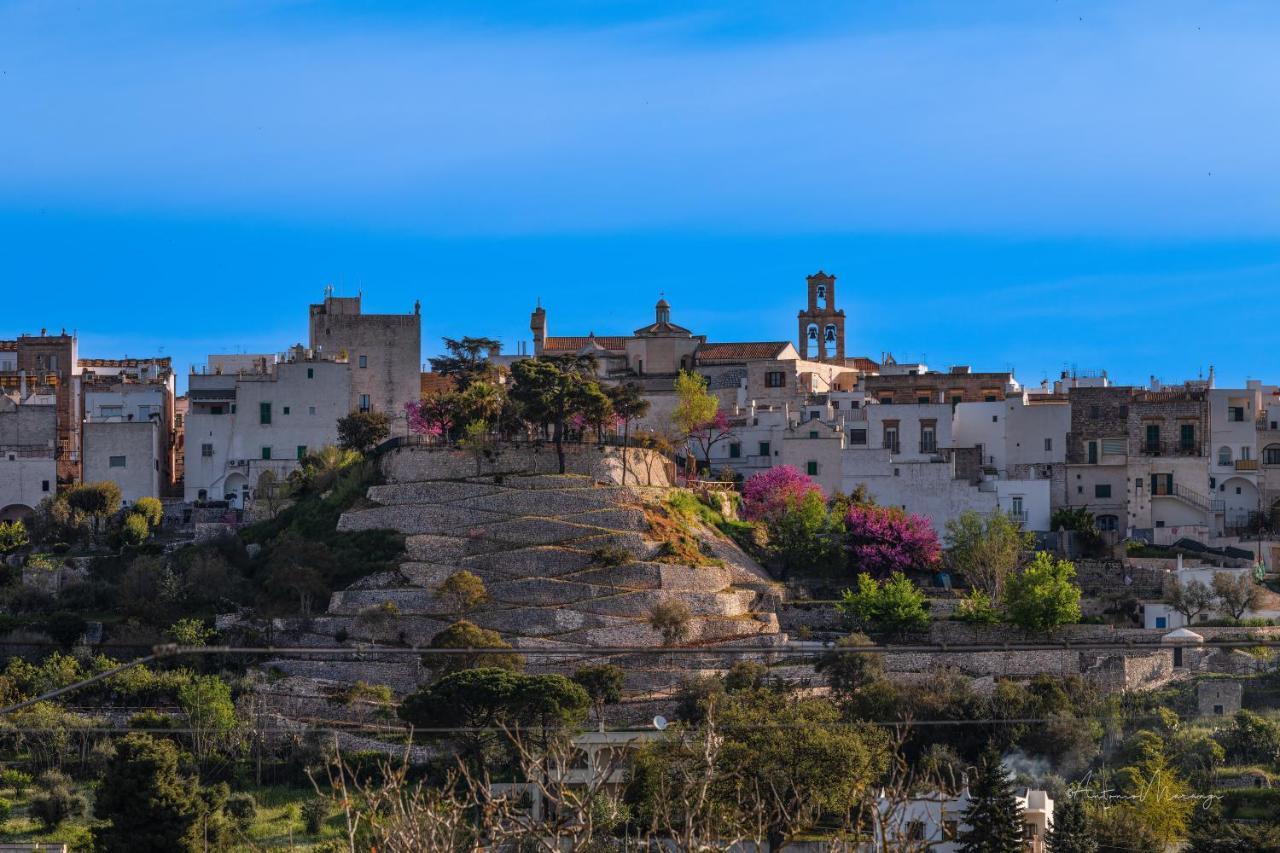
{"x": 660, "y": 723}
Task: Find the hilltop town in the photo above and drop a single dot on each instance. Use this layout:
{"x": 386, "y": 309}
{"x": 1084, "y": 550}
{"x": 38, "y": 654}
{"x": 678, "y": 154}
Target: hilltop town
{"x": 597, "y": 590}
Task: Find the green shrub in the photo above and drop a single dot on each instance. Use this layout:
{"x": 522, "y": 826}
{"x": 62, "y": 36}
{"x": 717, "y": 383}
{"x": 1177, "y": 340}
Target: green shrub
{"x": 13, "y": 534}
{"x": 18, "y": 780}
{"x": 151, "y": 510}
{"x": 56, "y": 800}
{"x": 134, "y": 531}
{"x": 314, "y": 813}
{"x": 977, "y": 609}
{"x": 610, "y": 556}
{"x": 243, "y": 809}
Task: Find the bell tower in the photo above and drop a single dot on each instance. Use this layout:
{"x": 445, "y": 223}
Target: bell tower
{"x": 821, "y": 323}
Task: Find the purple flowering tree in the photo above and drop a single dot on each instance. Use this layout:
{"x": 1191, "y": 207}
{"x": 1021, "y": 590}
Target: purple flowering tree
{"x": 883, "y": 540}
{"x": 767, "y": 495}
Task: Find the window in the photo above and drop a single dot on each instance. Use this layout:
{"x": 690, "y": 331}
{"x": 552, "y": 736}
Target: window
{"x": 1114, "y": 447}
{"x": 1107, "y": 522}
{"x": 1048, "y": 445}
{"x": 1102, "y": 490}
{"x": 886, "y": 401}
{"x": 928, "y": 437}
{"x": 1028, "y": 831}
{"x": 364, "y": 402}
{"x": 1235, "y": 414}
{"x": 1094, "y": 413}
{"x": 302, "y": 451}
{"x": 266, "y": 453}
{"x": 206, "y": 450}
{"x": 285, "y": 410}
{"x": 364, "y": 361}
{"x": 1224, "y": 455}
{"x": 735, "y": 450}
{"x": 311, "y": 373}
{"x": 764, "y": 448}
{"x": 215, "y": 410}
{"x": 989, "y": 398}
{"x": 957, "y": 399}
{"x": 1271, "y": 455}
{"x": 813, "y": 433}
{"x": 1153, "y": 438}
{"x": 1187, "y": 437}
{"x": 859, "y": 437}
{"x": 811, "y": 468}
{"x": 1218, "y": 710}
{"x": 1017, "y": 510}
{"x": 775, "y": 379}
{"x": 995, "y": 419}
{"x": 264, "y": 413}
{"x": 115, "y": 462}
{"x": 915, "y": 830}
{"x": 1093, "y": 453}
{"x": 311, "y": 410}
{"x": 891, "y": 437}
{"x": 835, "y": 405}
{"x": 44, "y": 485}
{"x": 1124, "y": 411}
{"x": 924, "y": 401}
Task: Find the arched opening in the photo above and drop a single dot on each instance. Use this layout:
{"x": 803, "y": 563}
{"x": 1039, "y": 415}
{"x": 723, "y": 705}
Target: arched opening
{"x": 16, "y": 512}
{"x": 829, "y": 341}
{"x": 1271, "y": 454}
{"x": 237, "y": 490}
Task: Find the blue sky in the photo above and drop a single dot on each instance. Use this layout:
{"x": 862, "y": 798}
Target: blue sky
{"x": 1028, "y": 184}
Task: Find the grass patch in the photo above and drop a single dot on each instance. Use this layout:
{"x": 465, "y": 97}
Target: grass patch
{"x": 677, "y": 543}
{"x": 745, "y": 534}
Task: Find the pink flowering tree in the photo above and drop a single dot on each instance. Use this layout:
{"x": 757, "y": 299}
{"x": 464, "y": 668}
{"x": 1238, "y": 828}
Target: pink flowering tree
{"x": 432, "y": 416}
{"x": 883, "y": 540}
{"x": 767, "y": 495}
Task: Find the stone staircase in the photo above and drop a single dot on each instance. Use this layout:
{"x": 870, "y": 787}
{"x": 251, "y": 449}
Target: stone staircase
{"x": 530, "y": 537}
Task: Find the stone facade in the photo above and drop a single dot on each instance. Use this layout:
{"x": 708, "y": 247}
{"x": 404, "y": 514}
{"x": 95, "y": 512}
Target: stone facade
{"x": 1218, "y": 697}
{"x": 384, "y": 351}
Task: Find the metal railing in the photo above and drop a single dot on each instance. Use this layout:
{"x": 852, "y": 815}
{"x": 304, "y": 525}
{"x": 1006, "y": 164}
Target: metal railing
{"x": 1246, "y": 464}
{"x": 1182, "y": 493}
{"x": 1172, "y": 448}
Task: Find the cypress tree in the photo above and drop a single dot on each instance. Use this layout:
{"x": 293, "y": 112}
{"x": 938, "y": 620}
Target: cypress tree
{"x": 1070, "y": 831}
{"x": 993, "y": 817}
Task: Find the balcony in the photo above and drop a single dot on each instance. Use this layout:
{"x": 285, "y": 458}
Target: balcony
{"x": 1019, "y": 516}
{"x": 1246, "y": 464}
{"x": 1172, "y": 448}
{"x": 891, "y": 446}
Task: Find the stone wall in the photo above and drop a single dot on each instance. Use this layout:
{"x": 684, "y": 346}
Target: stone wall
{"x": 604, "y": 464}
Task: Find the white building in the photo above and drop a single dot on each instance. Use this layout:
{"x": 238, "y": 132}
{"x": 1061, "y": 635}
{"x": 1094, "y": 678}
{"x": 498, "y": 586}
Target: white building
{"x": 241, "y": 424}
{"x": 935, "y": 821}
{"x": 126, "y": 435}
{"x": 28, "y": 442}
{"x": 1237, "y": 420}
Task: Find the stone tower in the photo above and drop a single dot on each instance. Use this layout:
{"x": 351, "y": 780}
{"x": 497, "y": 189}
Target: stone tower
{"x": 538, "y": 325}
{"x": 821, "y": 323}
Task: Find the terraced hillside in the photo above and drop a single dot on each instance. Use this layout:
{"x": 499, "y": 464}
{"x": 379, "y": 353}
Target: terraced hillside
{"x": 536, "y": 540}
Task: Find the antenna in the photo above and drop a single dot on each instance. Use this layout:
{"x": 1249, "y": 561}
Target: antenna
{"x": 660, "y": 723}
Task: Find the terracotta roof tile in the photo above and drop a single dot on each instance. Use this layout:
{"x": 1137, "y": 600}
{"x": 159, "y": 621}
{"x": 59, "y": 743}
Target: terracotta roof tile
{"x": 744, "y": 351}
{"x": 613, "y": 343}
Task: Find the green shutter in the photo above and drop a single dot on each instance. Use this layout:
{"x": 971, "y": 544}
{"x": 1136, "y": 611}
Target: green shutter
{"x": 302, "y": 451}
{"x": 812, "y": 468}
{"x": 266, "y": 453}
{"x": 264, "y": 413}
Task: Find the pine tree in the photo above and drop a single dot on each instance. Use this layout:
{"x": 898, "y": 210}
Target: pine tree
{"x": 1070, "y": 831}
{"x": 993, "y": 818}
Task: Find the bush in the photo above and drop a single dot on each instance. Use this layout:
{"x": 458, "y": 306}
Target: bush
{"x": 243, "y": 809}
{"x": 895, "y": 605}
{"x": 13, "y": 534}
{"x": 1043, "y": 595}
{"x": 314, "y": 813}
{"x": 6, "y": 808}
{"x": 977, "y": 609}
{"x": 670, "y": 618}
{"x": 151, "y": 510}
{"x": 462, "y": 592}
{"x": 18, "y": 780}
{"x": 134, "y": 531}
{"x": 610, "y": 556}
{"x": 360, "y": 431}
{"x": 55, "y": 800}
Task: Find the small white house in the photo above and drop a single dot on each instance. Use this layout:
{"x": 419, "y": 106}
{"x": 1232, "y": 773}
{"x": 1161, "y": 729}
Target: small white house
{"x": 935, "y": 821}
